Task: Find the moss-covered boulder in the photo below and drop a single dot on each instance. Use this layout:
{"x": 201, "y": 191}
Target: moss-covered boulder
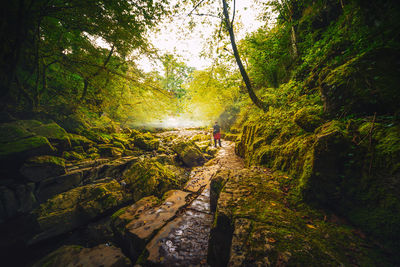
{"x": 24, "y": 148}
{"x": 72, "y": 255}
{"x": 97, "y": 136}
{"x": 108, "y": 150}
{"x": 148, "y": 177}
{"x": 55, "y": 134}
{"x": 77, "y": 207}
{"x": 146, "y": 142}
{"x": 73, "y": 155}
{"x": 11, "y": 132}
{"x": 256, "y": 226}
{"x": 41, "y": 167}
{"x": 307, "y": 118}
{"x": 79, "y": 140}
{"x": 189, "y": 153}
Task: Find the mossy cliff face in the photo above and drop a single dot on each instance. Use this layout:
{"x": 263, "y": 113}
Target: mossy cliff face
{"x": 364, "y": 84}
{"x": 350, "y": 167}
{"x": 261, "y": 228}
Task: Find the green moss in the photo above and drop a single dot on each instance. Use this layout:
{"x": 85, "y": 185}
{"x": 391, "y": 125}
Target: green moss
{"x": 46, "y": 160}
{"x": 72, "y": 155}
{"x": 51, "y": 131}
{"x": 11, "y": 132}
{"x": 146, "y": 142}
{"x": 147, "y": 177}
{"x": 25, "y": 145}
{"x": 307, "y": 118}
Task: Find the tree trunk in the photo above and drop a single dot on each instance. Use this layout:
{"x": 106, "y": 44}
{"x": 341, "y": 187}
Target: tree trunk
{"x": 294, "y": 42}
{"x": 258, "y": 102}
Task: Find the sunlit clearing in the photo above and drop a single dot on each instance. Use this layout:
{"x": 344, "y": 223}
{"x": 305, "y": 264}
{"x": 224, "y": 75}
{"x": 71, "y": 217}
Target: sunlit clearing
{"x": 176, "y": 122}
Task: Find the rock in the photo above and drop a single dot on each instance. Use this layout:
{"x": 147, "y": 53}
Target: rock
{"x": 73, "y": 155}
{"x": 77, "y": 207}
{"x": 79, "y": 140}
{"x": 19, "y": 199}
{"x": 102, "y": 255}
{"x": 24, "y": 148}
{"x": 256, "y": 226}
{"x": 108, "y": 150}
{"x": 54, "y": 133}
{"x": 189, "y": 153}
{"x": 231, "y": 137}
{"x": 41, "y": 167}
{"x": 56, "y": 185}
{"x": 146, "y": 142}
{"x": 11, "y": 132}
{"x": 307, "y": 118}
{"x": 137, "y": 224}
{"x": 8, "y": 203}
{"x": 148, "y": 177}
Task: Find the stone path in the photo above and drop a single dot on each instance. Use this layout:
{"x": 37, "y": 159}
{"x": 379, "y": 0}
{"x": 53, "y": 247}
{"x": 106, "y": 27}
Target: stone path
{"x": 183, "y": 241}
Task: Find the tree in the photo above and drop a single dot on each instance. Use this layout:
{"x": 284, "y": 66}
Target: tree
{"x": 51, "y": 48}
{"x": 229, "y": 25}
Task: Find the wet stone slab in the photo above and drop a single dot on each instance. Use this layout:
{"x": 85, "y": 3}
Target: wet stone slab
{"x": 182, "y": 242}
{"x": 155, "y": 218}
{"x": 200, "y": 178}
{"x": 202, "y": 202}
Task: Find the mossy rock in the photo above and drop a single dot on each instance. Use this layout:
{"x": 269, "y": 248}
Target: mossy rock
{"x": 79, "y": 140}
{"x": 307, "y": 118}
{"x": 189, "y": 153}
{"x": 41, "y": 167}
{"x": 76, "y": 207}
{"x": 11, "y": 132}
{"x": 200, "y": 137}
{"x": 72, "y": 155}
{"x": 363, "y": 85}
{"x": 98, "y": 137}
{"x": 148, "y": 177}
{"x": 146, "y": 142}
{"x": 25, "y": 148}
{"x": 54, "y": 133}
{"x": 73, "y": 255}
{"x": 254, "y": 224}
{"x": 108, "y": 150}
{"x": 119, "y": 145}
{"x": 29, "y": 124}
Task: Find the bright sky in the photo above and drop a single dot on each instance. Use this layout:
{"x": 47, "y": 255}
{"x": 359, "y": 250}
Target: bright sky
{"x": 189, "y": 46}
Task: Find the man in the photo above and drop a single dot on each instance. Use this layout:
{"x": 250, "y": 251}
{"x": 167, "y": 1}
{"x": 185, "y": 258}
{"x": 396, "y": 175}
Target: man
{"x": 217, "y": 134}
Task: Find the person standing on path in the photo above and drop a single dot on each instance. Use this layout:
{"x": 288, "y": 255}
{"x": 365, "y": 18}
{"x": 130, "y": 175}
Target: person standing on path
{"x": 217, "y": 134}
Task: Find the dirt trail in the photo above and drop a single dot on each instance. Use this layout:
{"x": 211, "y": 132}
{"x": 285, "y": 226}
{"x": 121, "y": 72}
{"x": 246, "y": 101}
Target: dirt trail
{"x": 184, "y": 240}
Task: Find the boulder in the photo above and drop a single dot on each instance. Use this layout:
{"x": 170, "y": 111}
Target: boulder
{"x": 101, "y": 255}
{"x": 79, "y": 140}
{"x": 55, "y": 185}
{"x": 307, "y": 118}
{"x": 148, "y": 177}
{"x": 18, "y": 199}
{"x": 189, "y": 153}
{"x": 41, "y": 167}
{"x": 54, "y": 133}
{"x": 73, "y": 155}
{"x": 108, "y": 150}
{"x": 11, "y": 132}
{"x": 77, "y": 207}
{"x": 24, "y": 148}
{"x": 146, "y": 142}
